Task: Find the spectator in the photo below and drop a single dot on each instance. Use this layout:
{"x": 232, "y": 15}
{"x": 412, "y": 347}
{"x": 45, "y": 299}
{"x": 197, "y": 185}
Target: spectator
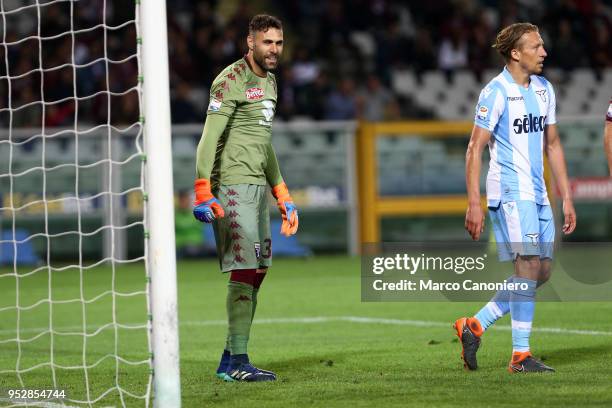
{"x": 423, "y": 55}
{"x": 453, "y": 52}
{"x": 374, "y": 100}
{"x": 304, "y": 72}
{"x": 393, "y": 49}
{"x": 567, "y": 52}
{"x": 318, "y": 97}
{"x": 203, "y": 39}
{"x": 183, "y": 110}
{"x": 601, "y": 48}
{"x": 341, "y": 102}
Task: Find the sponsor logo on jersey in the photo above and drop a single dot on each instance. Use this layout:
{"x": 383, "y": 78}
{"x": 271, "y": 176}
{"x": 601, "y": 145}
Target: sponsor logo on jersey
{"x": 529, "y": 124}
{"x": 514, "y": 98}
{"x": 254, "y": 93}
{"x": 214, "y": 105}
{"x": 482, "y": 112}
{"x": 542, "y": 94}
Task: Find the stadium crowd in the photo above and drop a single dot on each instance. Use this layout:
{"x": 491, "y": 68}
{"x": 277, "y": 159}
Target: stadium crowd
{"x": 339, "y": 57}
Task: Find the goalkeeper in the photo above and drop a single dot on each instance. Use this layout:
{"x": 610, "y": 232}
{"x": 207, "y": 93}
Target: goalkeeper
{"x": 235, "y": 161}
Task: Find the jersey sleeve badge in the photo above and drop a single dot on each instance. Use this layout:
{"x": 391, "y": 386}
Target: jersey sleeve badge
{"x": 482, "y": 112}
{"x": 214, "y": 105}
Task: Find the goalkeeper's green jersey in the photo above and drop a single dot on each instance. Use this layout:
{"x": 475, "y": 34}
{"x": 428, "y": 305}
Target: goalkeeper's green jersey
{"x": 236, "y": 143}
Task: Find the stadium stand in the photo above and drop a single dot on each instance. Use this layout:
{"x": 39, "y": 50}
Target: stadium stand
{"x": 329, "y": 43}
{"x": 342, "y": 39}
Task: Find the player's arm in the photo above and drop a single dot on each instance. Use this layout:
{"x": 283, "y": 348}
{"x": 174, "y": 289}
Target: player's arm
{"x": 554, "y": 152}
{"x": 206, "y": 206}
{"x": 608, "y": 139}
{"x": 280, "y": 191}
{"x": 272, "y": 170}
{"x": 474, "y": 217}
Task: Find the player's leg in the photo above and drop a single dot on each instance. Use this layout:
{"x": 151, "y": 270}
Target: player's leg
{"x": 547, "y": 242}
{"x": 263, "y": 246}
{"x": 260, "y": 275}
{"x": 499, "y": 305}
{"x": 470, "y": 329}
{"x": 221, "y": 239}
{"x": 263, "y": 250}
{"x": 525, "y": 220}
{"x": 237, "y": 235}
{"x": 228, "y": 236}
{"x": 224, "y": 364}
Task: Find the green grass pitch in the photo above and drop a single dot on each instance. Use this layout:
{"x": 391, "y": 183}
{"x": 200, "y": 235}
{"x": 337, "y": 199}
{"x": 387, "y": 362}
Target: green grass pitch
{"x": 396, "y": 354}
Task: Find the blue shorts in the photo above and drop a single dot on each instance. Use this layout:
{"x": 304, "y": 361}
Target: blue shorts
{"x": 523, "y": 228}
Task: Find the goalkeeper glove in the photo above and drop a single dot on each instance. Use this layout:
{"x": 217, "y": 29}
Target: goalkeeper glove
{"x": 287, "y": 209}
{"x": 206, "y": 207}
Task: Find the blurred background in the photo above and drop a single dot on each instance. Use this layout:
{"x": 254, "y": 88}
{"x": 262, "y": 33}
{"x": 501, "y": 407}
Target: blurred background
{"x": 346, "y": 63}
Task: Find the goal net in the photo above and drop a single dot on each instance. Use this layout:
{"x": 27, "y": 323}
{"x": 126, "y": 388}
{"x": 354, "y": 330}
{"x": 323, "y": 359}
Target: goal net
{"x": 75, "y": 310}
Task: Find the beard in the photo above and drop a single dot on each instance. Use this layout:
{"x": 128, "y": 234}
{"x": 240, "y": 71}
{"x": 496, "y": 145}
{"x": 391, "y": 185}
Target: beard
{"x": 260, "y": 60}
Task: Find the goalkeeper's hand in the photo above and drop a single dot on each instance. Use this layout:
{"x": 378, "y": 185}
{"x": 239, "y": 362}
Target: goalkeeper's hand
{"x": 287, "y": 209}
{"x": 206, "y": 207}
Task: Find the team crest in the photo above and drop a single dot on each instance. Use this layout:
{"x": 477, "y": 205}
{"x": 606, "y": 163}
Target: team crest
{"x": 534, "y": 238}
{"x": 254, "y": 93}
{"x": 542, "y": 93}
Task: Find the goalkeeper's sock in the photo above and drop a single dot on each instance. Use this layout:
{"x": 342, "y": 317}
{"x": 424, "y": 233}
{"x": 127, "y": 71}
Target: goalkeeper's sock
{"x": 259, "y": 277}
{"x": 497, "y": 307}
{"x": 254, "y": 297}
{"x": 522, "y": 306}
{"x": 239, "y": 305}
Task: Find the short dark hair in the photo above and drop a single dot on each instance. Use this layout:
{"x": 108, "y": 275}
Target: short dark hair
{"x": 263, "y": 22}
{"x": 508, "y": 38}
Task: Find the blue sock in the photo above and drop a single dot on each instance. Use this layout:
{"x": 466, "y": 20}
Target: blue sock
{"x": 225, "y": 361}
{"x": 237, "y": 359}
{"x": 497, "y": 307}
{"x": 522, "y": 306}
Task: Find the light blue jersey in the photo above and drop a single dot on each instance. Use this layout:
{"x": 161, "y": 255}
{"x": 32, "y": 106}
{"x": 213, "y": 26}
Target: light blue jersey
{"x": 516, "y": 117}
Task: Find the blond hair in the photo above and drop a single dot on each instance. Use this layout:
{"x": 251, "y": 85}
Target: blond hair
{"x": 509, "y": 37}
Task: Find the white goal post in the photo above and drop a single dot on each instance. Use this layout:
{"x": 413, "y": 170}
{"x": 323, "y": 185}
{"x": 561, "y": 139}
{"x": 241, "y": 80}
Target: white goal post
{"x": 160, "y": 210}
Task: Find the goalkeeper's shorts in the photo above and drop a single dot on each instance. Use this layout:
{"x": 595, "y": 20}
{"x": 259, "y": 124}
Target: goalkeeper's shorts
{"x": 523, "y": 228}
{"x": 243, "y": 235}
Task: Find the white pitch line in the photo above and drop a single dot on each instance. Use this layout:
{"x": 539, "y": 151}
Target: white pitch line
{"x": 378, "y": 320}
{"x": 331, "y": 319}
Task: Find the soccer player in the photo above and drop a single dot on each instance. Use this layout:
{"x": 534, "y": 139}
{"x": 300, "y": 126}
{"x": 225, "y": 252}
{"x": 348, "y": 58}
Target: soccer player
{"x": 515, "y": 116}
{"x": 608, "y": 137}
{"x": 235, "y": 161}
